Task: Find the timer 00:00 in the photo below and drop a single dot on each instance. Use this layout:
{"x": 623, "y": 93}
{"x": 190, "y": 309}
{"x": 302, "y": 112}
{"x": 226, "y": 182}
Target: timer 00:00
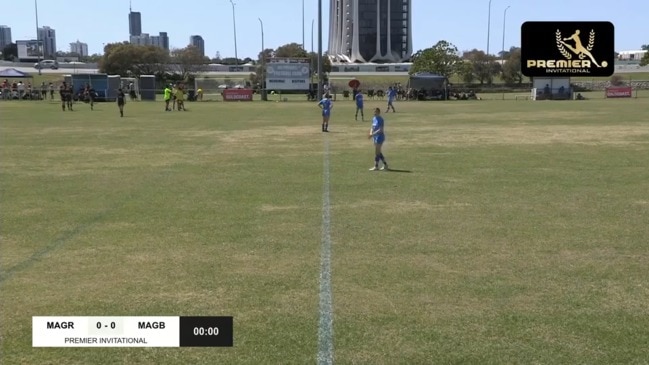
{"x": 209, "y": 331}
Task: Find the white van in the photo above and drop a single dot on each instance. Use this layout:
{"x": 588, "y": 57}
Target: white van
{"x": 47, "y": 64}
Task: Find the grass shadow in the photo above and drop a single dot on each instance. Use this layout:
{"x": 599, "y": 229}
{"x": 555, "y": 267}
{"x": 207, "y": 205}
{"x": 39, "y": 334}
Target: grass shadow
{"x": 402, "y": 171}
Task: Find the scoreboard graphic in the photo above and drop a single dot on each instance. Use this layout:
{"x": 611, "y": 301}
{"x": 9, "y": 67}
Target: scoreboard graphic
{"x": 132, "y": 331}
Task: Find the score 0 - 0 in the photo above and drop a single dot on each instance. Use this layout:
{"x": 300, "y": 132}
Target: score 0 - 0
{"x": 105, "y": 326}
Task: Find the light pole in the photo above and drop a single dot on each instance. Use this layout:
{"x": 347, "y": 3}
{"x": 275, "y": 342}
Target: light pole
{"x": 312, "y": 22}
{"x": 303, "y": 44}
{"x": 319, "y": 50}
{"x": 234, "y": 24}
{"x": 488, "y": 27}
{"x": 502, "y": 55}
{"x": 263, "y": 63}
{"x": 311, "y": 80}
{"x": 38, "y": 41}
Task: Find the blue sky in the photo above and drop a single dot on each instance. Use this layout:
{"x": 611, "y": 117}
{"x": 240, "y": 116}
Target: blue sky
{"x": 462, "y": 22}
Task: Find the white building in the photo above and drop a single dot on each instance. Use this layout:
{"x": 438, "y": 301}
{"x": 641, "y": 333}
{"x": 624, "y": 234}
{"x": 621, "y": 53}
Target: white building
{"x": 79, "y": 48}
{"x": 635, "y": 55}
{"x": 370, "y": 30}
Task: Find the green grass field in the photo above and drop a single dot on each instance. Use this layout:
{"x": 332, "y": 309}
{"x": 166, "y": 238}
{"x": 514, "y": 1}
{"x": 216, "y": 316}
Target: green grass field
{"x": 513, "y": 233}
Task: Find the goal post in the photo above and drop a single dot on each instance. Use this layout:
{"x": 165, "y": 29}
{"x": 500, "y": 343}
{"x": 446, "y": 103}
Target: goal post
{"x": 213, "y": 86}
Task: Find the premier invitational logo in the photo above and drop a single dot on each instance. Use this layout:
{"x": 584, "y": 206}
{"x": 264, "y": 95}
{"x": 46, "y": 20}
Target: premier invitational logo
{"x": 567, "y": 49}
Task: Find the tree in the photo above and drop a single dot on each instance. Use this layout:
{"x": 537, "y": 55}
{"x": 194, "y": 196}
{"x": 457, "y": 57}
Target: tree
{"x": 291, "y": 50}
{"x": 217, "y": 57}
{"x": 230, "y": 61}
{"x": 645, "y": 47}
{"x": 10, "y": 52}
{"x": 129, "y": 59}
{"x": 326, "y": 63}
{"x": 186, "y": 62}
{"x": 465, "y": 71}
{"x": 512, "y": 68}
{"x": 152, "y": 60}
{"x": 441, "y": 59}
{"x": 93, "y": 58}
{"x": 265, "y": 54}
{"x": 255, "y": 78}
{"x": 645, "y": 59}
{"x": 504, "y": 54}
{"x": 483, "y": 65}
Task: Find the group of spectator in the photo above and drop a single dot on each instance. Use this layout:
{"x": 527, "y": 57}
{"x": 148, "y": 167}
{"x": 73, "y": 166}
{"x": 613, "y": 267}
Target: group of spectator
{"x": 18, "y": 90}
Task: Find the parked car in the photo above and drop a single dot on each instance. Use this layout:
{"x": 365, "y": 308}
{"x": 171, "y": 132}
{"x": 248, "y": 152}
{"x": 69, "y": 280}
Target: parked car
{"x": 46, "y": 64}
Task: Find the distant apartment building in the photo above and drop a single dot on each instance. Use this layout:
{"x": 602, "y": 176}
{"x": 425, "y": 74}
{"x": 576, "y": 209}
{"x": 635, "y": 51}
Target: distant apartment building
{"x": 198, "y": 42}
{"x": 79, "y": 48}
{"x": 47, "y": 36}
{"x": 5, "y": 36}
{"x": 161, "y": 40}
{"x": 134, "y": 23}
{"x": 142, "y": 39}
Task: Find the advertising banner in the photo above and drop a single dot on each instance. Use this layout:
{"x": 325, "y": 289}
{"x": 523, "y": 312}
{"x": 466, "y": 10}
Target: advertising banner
{"x": 619, "y": 92}
{"x": 29, "y": 49}
{"x": 237, "y": 95}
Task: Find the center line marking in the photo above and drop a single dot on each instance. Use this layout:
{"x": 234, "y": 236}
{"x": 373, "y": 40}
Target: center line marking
{"x": 325, "y": 326}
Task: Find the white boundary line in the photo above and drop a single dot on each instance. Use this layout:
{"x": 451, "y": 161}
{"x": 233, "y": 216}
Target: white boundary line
{"x": 325, "y": 325}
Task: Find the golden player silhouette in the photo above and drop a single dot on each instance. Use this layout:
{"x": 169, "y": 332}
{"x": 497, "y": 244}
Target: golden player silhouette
{"x": 579, "y": 49}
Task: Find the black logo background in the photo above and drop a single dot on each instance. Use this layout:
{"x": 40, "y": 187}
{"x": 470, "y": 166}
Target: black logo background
{"x": 538, "y": 42}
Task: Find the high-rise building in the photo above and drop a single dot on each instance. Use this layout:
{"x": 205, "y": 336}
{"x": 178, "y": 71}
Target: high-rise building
{"x": 370, "y": 30}
{"x": 198, "y": 42}
{"x": 79, "y": 48}
{"x": 134, "y": 23}
{"x": 161, "y": 40}
{"x": 47, "y": 36}
{"x": 5, "y": 36}
{"x": 142, "y": 39}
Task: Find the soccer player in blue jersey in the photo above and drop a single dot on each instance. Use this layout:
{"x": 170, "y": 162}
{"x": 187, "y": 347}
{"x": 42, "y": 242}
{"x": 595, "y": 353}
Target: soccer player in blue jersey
{"x": 377, "y": 133}
{"x": 326, "y": 105}
{"x": 392, "y": 94}
{"x": 359, "y": 105}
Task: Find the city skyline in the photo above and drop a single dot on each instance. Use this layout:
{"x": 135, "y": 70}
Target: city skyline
{"x": 463, "y": 23}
